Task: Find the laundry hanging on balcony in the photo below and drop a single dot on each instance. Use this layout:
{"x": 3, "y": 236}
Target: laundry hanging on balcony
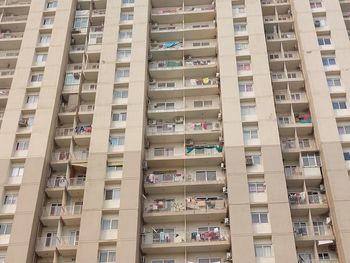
{"x": 190, "y": 148}
{"x": 83, "y": 129}
{"x": 170, "y": 44}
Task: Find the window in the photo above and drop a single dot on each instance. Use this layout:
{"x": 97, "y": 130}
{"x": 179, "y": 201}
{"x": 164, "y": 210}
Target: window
{"x": 51, "y": 4}
{"x": 125, "y": 34}
{"x": 36, "y": 77}
{"x": 339, "y": 104}
{"x": 95, "y": 38}
{"x": 31, "y": 99}
{"x": 205, "y": 175}
{"x": 17, "y": 171}
{"x": 128, "y": 2}
{"x": 122, "y": 73}
{"x": 109, "y": 224}
{"x": 202, "y": 103}
{"x": 328, "y": 61}
{"x": 22, "y": 145}
{"x": 315, "y": 4}
{"x": 253, "y": 160}
{"x": 311, "y": 159}
{"x": 112, "y": 194}
{"x": 248, "y": 110}
{"x": 263, "y": 250}
{"x": 120, "y": 94}
{"x": 40, "y": 58}
{"x": 163, "y": 151}
{"x": 10, "y": 199}
{"x": 238, "y": 28}
{"x": 119, "y": 116}
{"x": 256, "y": 187}
{"x": 111, "y": 167}
{"x": 163, "y": 261}
{"x": 243, "y": 66}
{"x": 209, "y": 260}
{"x": 333, "y": 81}
{"x": 324, "y": 256}
{"x": 250, "y": 133}
{"x": 80, "y": 22}
{"x": 324, "y": 40}
{"x": 123, "y": 53}
{"x": 245, "y": 87}
{"x": 320, "y": 22}
{"x": 343, "y": 129}
{"x": 117, "y": 140}
{"x": 71, "y": 79}
{"x": 346, "y": 156}
{"x": 5, "y": 228}
{"x": 44, "y": 39}
{"x": 283, "y": 120}
{"x": 107, "y": 256}
{"x": 47, "y": 21}
{"x": 259, "y": 218}
{"x": 241, "y": 45}
{"x": 126, "y": 16}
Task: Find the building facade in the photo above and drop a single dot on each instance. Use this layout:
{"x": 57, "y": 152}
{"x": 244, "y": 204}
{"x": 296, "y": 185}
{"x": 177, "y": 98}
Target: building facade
{"x": 177, "y": 131}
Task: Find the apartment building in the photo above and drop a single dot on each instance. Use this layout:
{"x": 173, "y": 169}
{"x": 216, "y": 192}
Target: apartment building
{"x": 178, "y": 131}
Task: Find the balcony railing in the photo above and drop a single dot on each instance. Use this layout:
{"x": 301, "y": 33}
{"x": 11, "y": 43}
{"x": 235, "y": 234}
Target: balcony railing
{"x": 180, "y": 10}
{"x": 9, "y": 53}
{"x": 80, "y": 155}
{"x": 92, "y": 66}
{"x": 280, "y": 36}
{"x": 72, "y": 210}
{"x": 65, "y": 108}
{"x": 301, "y": 198}
{"x": 61, "y": 156}
{"x": 77, "y": 181}
{"x": 52, "y": 211}
{"x": 4, "y": 92}
{"x": 98, "y": 12}
{"x": 187, "y": 26}
{"x": 13, "y": 18}
{"x": 75, "y": 48}
{"x": 175, "y": 237}
{"x": 6, "y": 72}
{"x": 273, "y": 2}
{"x": 56, "y": 182}
{"x": 44, "y": 243}
{"x": 165, "y": 128}
{"x": 64, "y": 132}
{"x": 83, "y": 130}
{"x": 87, "y": 108}
{"x": 316, "y": 230}
{"x": 10, "y": 35}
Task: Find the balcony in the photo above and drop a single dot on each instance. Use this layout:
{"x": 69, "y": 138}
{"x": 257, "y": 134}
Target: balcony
{"x": 162, "y": 210}
{"x": 305, "y": 232}
{"x": 46, "y": 246}
{"x": 211, "y": 180}
{"x": 274, "y": 2}
{"x": 194, "y": 241}
{"x": 10, "y": 18}
{"x": 293, "y": 145}
{"x": 301, "y": 121}
{"x": 295, "y": 174}
{"x": 190, "y": 31}
{"x": 278, "y": 19}
{"x": 310, "y": 200}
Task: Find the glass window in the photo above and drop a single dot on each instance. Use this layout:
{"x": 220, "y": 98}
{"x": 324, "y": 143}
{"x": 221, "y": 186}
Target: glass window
{"x": 126, "y": 16}
{"x": 10, "y": 199}
{"x": 245, "y": 87}
{"x": 125, "y": 34}
{"x": 80, "y": 22}
{"x": 325, "y": 40}
{"x": 339, "y": 104}
{"x": 242, "y": 27}
{"x": 120, "y": 94}
{"x": 22, "y": 145}
{"x": 256, "y": 187}
{"x": 333, "y": 81}
{"x": 109, "y": 224}
{"x": 328, "y": 61}
{"x": 347, "y": 156}
{"x": 122, "y": 73}
{"x": 32, "y": 99}
{"x": 344, "y": 129}
{"x": 263, "y": 250}
{"x": 123, "y": 53}
{"x": 119, "y": 116}
{"x": 112, "y": 194}
{"x": 107, "y": 256}
{"x": 51, "y": 4}
{"x": 250, "y": 133}
{"x": 248, "y": 110}
{"x": 117, "y": 140}
{"x": 5, "y": 228}
{"x": 72, "y": 79}
{"x": 17, "y": 171}
{"x": 48, "y": 21}
{"x": 259, "y": 218}
{"x": 311, "y": 159}
{"x": 39, "y": 58}
{"x": 36, "y": 77}
{"x": 44, "y": 39}
{"x": 128, "y": 1}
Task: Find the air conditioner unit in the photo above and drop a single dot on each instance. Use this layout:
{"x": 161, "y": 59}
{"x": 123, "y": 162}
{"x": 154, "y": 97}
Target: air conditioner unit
{"x": 249, "y": 161}
{"x": 219, "y": 116}
{"x": 222, "y": 165}
{"x": 227, "y": 221}
{"x": 22, "y": 123}
{"x": 145, "y": 166}
{"x": 322, "y": 188}
{"x": 179, "y": 119}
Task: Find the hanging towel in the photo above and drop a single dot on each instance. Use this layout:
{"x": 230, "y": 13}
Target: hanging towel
{"x": 170, "y": 44}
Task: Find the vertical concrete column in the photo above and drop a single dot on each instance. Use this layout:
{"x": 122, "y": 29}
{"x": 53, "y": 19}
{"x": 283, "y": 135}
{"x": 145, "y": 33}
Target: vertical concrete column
{"x": 29, "y": 203}
{"x": 128, "y": 246}
{"x": 96, "y": 171}
{"x": 237, "y": 183}
{"x": 278, "y": 205}
{"x": 335, "y": 174}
